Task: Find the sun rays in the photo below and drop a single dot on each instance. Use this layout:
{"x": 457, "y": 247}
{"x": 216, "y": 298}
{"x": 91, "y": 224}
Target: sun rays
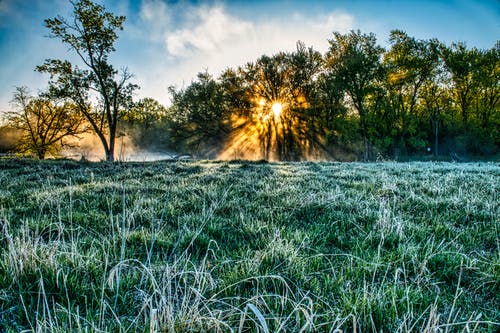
{"x": 273, "y": 131}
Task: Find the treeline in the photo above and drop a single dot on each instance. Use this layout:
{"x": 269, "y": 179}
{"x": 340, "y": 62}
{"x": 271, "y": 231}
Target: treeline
{"x": 358, "y": 101}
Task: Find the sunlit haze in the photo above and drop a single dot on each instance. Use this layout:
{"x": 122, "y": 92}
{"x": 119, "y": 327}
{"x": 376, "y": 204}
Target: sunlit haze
{"x": 166, "y": 43}
{"x": 277, "y": 108}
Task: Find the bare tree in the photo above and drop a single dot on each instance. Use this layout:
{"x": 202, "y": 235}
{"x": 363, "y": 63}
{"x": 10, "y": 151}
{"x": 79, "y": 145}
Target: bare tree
{"x": 44, "y": 125}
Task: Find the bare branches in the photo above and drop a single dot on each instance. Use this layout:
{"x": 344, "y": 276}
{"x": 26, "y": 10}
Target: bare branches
{"x": 44, "y": 124}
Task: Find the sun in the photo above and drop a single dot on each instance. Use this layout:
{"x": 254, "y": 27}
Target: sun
{"x": 277, "y": 108}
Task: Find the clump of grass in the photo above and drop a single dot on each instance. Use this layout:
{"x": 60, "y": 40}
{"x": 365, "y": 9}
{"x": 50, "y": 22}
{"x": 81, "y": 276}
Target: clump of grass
{"x": 241, "y": 246}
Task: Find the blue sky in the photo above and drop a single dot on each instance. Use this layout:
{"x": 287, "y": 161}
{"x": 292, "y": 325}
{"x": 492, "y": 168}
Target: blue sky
{"x": 166, "y": 43}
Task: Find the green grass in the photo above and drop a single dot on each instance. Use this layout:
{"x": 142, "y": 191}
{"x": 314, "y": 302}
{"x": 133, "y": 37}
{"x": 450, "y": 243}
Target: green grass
{"x": 249, "y": 247}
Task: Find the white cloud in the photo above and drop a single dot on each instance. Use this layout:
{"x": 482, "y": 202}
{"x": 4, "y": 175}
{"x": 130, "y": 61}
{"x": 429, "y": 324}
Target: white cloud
{"x": 213, "y": 39}
{"x": 195, "y": 38}
{"x": 336, "y": 21}
{"x": 155, "y": 17}
{"x": 215, "y": 30}
{"x": 3, "y": 7}
{"x": 155, "y": 12}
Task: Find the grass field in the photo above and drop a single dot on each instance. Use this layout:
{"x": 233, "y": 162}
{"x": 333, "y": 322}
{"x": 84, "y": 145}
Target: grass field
{"x": 249, "y": 247}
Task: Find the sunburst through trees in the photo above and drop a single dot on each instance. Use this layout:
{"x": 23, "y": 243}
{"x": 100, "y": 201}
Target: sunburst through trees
{"x": 357, "y": 101}
{"x": 277, "y": 123}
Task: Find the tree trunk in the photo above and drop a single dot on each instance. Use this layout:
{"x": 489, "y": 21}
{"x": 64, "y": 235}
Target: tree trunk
{"x": 397, "y": 145}
{"x": 364, "y": 131}
{"x": 396, "y": 150}
{"x": 40, "y": 154}
{"x": 436, "y": 138}
{"x": 110, "y": 154}
{"x": 367, "y": 147}
{"x": 464, "y": 106}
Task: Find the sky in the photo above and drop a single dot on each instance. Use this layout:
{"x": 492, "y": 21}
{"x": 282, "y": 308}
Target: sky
{"x": 166, "y": 43}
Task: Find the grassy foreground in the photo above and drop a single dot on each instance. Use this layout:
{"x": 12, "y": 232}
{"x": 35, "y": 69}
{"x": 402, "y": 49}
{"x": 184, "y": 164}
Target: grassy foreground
{"x": 249, "y": 247}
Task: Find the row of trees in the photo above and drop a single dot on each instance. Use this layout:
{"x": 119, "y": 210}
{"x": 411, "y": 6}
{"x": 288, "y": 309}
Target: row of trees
{"x": 357, "y": 99}
{"x": 415, "y": 96}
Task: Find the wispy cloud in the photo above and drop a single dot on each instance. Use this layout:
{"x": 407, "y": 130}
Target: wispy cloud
{"x": 210, "y": 37}
{"x": 155, "y": 18}
{"x": 3, "y": 7}
{"x": 167, "y": 43}
{"x": 210, "y": 30}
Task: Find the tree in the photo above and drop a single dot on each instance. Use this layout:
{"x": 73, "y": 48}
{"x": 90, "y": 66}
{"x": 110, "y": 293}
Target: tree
{"x": 146, "y": 122}
{"x": 269, "y": 79}
{"x": 305, "y": 67}
{"x": 354, "y": 59}
{"x": 199, "y": 115}
{"x": 91, "y": 34}
{"x": 462, "y": 64}
{"x": 307, "y": 129}
{"x": 145, "y": 112}
{"x": 488, "y": 84}
{"x": 237, "y": 111}
{"x": 236, "y": 89}
{"x": 435, "y": 100}
{"x": 287, "y": 80}
{"x": 410, "y": 64}
{"x": 44, "y": 125}
{"x": 9, "y": 138}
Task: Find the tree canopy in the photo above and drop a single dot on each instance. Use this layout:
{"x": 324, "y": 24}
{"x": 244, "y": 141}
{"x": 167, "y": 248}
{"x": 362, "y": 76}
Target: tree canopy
{"x": 45, "y": 125}
{"x": 358, "y": 99}
{"x": 100, "y": 92}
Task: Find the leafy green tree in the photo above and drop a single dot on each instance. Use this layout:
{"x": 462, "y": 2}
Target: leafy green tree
{"x": 91, "y": 34}
{"x": 44, "y": 126}
{"x": 396, "y": 101}
{"x": 268, "y": 76}
{"x": 462, "y": 64}
{"x": 330, "y": 98}
{"x": 238, "y": 98}
{"x": 146, "y": 122}
{"x": 382, "y": 118}
{"x": 355, "y": 60}
{"x": 436, "y": 101}
{"x": 305, "y": 66}
{"x": 287, "y": 80}
{"x": 488, "y": 88}
{"x": 269, "y": 82}
{"x": 145, "y": 112}
{"x": 241, "y": 102}
{"x": 475, "y": 77}
{"x": 410, "y": 64}
{"x": 199, "y": 116}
